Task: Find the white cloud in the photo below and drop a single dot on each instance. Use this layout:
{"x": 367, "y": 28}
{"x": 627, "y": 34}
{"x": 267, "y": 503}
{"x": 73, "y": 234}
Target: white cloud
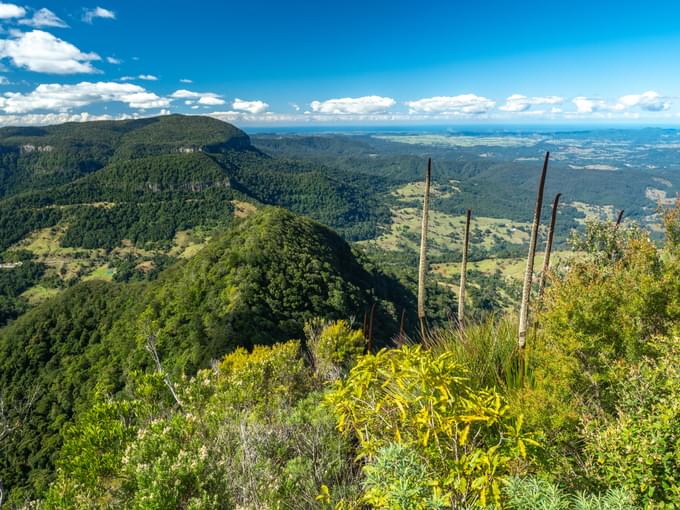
{"x": 64, "y": 98}
{"x": 44, "y": 18}
{"x": 468, "y": 104}
{"x": 649, "y": 101}
{"x": 204, "y": 98}
{"x": 254, "y": 107}
{"x": 98, "y": 12}
{"x": 114, "y": 60}
{"x": 145, "y": 77}
{"x": 211, "y": 101}
{"x": 11, "y": 11}
{"x": 4, "y": 80}
{"x": 43, "y": 52}
{"x": 353, "y": 105}
{"x": 185, "y": 80}
{"x": 589, "y": 105}
{"x": 520, "y": 103}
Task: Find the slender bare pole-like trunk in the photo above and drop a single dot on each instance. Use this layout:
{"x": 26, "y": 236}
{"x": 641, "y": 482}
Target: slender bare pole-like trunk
{"x": 401, "y": 325}
{"x": 370, "y": 329}
{"x": 422, "y": 265}
{"x": 548, "y": 247}
{"x": 619, "y": 218}
{"x": 528, "y": 275}
{"x": 463, "y": 273}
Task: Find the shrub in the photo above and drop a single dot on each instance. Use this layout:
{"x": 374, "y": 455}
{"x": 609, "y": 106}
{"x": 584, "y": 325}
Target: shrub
{"x": 639, "y": 448}
{"x": 334, "y": 346}
{"x": 423, "y": 401}
{"x": 538, "y": 494}
{"x": 398, "y": 479}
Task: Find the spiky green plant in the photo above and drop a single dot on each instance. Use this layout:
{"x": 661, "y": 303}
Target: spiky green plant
{"x": 488, "y": 349}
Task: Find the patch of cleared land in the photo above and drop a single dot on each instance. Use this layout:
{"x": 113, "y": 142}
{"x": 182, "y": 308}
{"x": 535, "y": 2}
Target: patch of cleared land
{"x": 594, "y": 212}
{"x": 444, "y": 140}
{"x": 512, "y": 268}
{"x": 445, "y": 230}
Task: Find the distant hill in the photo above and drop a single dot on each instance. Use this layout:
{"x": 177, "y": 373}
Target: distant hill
{"x": 158, "y": 175}
{"x": 256, "y": 284}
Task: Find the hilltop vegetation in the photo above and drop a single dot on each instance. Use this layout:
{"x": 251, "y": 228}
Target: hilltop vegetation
{"x": 256, "y": 284}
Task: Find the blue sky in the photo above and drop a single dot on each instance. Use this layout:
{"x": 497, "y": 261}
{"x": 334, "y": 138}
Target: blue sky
{"x": 358, "y": 62}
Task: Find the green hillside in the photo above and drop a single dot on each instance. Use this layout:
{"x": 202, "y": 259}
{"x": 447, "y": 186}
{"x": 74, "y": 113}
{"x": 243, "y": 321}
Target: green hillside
{"x": 258, "y": 283}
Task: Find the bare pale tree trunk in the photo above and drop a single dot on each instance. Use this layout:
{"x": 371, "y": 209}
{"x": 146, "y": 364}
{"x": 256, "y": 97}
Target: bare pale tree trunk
{"x": 463, "y": 273}
{"x": 548, "y": 247}
{"x": 152, "y": 349}
{"x": 422, "y": 265}
{"x": 528, "y": 275}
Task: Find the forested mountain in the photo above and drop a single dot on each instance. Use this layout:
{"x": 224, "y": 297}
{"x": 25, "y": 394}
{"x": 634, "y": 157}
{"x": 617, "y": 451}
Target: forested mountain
{"x": 256, "y": 284}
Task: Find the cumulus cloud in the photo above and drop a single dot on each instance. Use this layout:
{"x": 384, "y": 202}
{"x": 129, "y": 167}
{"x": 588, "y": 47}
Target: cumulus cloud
{"x": 520, "y": 103}
{"x": 43, "y": 52}
{"x": 204, "y": 98}
{"x": 211, "y": 101}
{"x": 589, "y": 105}
{"x": 4, "y": 80}
{"x": 98, "y": 12}
{"x": 353, "y": 105}
{"x": 254, "y": 107}
{"x": 185, "y": 80}
{"x": 63, "y": 98}
{"x": 11, "y": 11}
{"x": 468, "y": 104}
{"x": 649, "y": 101}
{"x": 114, "y": 60}
{"x": 44, "y": 18}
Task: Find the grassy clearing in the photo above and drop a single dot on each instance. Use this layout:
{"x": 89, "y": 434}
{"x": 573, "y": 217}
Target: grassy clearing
{"x": 38, "y": 294}
{"x": 446, "y": 230}
{"x": 101, "y": 273}
{"x": 512, "y": 268}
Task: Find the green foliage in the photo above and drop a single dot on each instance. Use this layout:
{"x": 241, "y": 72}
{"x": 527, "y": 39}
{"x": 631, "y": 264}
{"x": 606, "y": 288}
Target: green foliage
{"x": 397, "y": 479}
{"x": 601, "y": 321}
{"x": 256, "y": 284}
{"x": 250, "y": 434}
{"x": 639, "y": 447}
{"x": 423, "y": 401}
{"x": 335, "y": 347}
{"x": 488, "y": 349}
{"x": 534, "y": 493}
{"x": 56, "y": 353}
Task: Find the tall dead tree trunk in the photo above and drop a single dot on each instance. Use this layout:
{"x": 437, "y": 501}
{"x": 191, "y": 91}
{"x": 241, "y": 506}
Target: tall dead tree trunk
{"x": 463, "y": 273}
{"x": 548, "y": 247}
{"x": 422, "y": 265}
{"x": 528, "y": 275}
